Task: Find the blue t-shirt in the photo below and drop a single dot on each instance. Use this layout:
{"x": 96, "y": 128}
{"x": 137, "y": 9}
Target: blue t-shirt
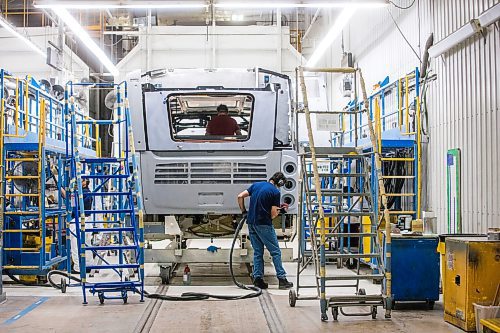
{"x": 87, "y": 202}
{"x": 263, "y": 196}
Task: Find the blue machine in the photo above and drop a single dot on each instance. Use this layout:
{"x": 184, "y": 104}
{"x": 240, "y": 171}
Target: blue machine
{"x": 415, "y": 269}
{"x": 32, "y": 145}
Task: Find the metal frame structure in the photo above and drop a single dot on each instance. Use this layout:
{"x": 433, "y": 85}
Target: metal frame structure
{"x": 397, "y": 126}
{"x": 395, "y": 111}
{"x": 320, "y": 261}
{"x": 115, "y": 223}
{"x": 31, "y": 229}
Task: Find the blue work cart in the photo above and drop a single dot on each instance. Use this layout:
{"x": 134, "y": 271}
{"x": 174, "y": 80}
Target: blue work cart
{"x": 415, "y": 269}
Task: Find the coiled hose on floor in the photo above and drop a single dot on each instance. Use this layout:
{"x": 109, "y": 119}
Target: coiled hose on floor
{"x": 188, "y": 296}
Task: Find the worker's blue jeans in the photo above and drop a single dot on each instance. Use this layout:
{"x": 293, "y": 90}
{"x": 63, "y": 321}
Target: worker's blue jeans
{"x": 260, "y": 236}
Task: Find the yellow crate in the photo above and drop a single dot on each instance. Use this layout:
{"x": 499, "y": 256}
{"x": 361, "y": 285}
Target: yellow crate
{"x": 471, "y": 275}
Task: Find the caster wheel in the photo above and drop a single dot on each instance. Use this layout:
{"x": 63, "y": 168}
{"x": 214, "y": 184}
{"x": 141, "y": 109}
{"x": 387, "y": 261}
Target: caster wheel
{"x": 292, "y": 298}
{"x": 324, "y": 317}
{"x": 430, "y": 305}
{"x": 335, "y": 313}
{"x": 362, "y": 292}
{"x": 64, "y": 285}
{"x": 374, "y": 312}
{"x": 101, "y": 298}
{"x": 351, "y": 264}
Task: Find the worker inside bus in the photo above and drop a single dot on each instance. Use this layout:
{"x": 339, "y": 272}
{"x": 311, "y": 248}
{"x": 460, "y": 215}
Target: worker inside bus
{"x": 222, "y": 123}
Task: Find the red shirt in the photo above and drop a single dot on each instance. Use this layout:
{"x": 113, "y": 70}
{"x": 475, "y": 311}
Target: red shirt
{"x": 222, "y": 125}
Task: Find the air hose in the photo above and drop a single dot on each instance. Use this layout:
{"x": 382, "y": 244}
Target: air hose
{"x": 28, "y": 284}
{"x": 191, "y": 296}
{"x": 188, "y": 296}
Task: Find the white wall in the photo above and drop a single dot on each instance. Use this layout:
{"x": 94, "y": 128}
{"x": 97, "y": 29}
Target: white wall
{"x": 463, "y": 102}
{"x": 17, "y": 58}
{"x": 224, "y": 47}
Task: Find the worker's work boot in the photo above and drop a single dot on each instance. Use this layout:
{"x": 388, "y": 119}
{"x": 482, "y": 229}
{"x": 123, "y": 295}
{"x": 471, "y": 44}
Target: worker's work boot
{"x": 259, "y": 283}
{"x": 285, "y": 284}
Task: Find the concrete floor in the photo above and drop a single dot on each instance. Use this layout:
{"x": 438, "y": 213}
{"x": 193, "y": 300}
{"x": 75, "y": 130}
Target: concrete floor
{"x": 57, "y": 312}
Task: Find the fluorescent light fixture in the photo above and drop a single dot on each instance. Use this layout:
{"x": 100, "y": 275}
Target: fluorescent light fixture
{"x": 455, "y": 38}
{"x": 490, "y": 16}
{"x": 472, "y": 27}
{"x": 330, "y": 4}
{"x": 109, "y": 4}
{"x": 237, "y": 17}
{"x": 333, "y": 33}
{"x": 84, "y": 37}
{"x": 25, "y": 39}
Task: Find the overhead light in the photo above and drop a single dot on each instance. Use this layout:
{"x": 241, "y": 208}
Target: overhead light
{"x": 237, "y": 17}
{"x": 25, "y": 39}
{"x": 109, "y": 4}
{"x": 470, "y": 29}
{"x": 333, "y": 33}
{"x": 330, "y": 4}
{"x": 85, "y": 38}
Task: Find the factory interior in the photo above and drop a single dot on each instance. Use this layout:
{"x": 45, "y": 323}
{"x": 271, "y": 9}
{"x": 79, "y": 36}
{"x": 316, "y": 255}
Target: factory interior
{"x": 250, "y": 166}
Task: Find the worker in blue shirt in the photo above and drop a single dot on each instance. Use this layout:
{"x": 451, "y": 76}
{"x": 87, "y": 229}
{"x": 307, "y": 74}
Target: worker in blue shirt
{"x": 87, "y": 205}
{"x": 264, "y": 207}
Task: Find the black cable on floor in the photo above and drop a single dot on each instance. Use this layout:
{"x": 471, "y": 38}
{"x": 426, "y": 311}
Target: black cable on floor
{"x": 188, "y": 296}
{"x": 193, "y": 296}
{"x": 16, "y": 280}
{"x": 60, "y": 273}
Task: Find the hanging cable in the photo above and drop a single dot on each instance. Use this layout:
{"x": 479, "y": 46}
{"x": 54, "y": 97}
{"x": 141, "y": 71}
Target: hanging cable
{"x": 401, "y": 7}
{"x": 404, "y": 37}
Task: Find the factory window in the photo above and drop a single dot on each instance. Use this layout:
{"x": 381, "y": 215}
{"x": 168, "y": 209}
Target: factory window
{"x": 210, "y": 117}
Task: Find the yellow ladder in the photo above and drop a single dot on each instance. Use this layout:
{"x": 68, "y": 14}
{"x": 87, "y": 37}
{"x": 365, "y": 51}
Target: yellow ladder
{"x": 5, "y": 162}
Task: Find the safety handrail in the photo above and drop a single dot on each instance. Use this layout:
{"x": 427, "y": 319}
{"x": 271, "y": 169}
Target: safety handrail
{"x": 24, "y": 113}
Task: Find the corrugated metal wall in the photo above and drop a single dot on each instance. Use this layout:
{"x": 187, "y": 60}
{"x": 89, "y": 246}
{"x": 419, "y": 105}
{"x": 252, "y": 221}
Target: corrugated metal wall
{"x": 463, "y": 103}
{"x": 464, "y": 113}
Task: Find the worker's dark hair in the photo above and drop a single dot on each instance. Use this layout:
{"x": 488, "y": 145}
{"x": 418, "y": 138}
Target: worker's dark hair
{"x": 278, "y": 179}
{"x": 222, "y": 108}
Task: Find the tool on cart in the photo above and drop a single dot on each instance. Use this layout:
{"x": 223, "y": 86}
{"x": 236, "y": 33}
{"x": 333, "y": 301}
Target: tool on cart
{"x": 323, "y": 237}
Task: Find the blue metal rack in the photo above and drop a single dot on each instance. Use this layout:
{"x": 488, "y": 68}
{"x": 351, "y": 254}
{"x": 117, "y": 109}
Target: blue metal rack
{"x": 394, "y": 109}
{"x": 31, "y": 143}
{"x": 117, "y": 221}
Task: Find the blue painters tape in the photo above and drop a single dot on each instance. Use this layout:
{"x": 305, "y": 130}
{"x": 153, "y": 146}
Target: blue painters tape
{"x": 25, "y": 311}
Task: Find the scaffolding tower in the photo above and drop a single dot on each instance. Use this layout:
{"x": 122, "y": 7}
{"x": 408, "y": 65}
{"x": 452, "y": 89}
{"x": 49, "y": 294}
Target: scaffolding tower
{"x": 327, "y": 233}
{"x": 32, "y": 210}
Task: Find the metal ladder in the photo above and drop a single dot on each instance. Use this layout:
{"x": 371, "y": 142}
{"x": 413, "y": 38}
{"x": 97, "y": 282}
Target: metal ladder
{"x": 411, "y": 159}
{"x": 111, "y": 178}
{"x": 30, "y": 232}
{"x": 326, "y": 235}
